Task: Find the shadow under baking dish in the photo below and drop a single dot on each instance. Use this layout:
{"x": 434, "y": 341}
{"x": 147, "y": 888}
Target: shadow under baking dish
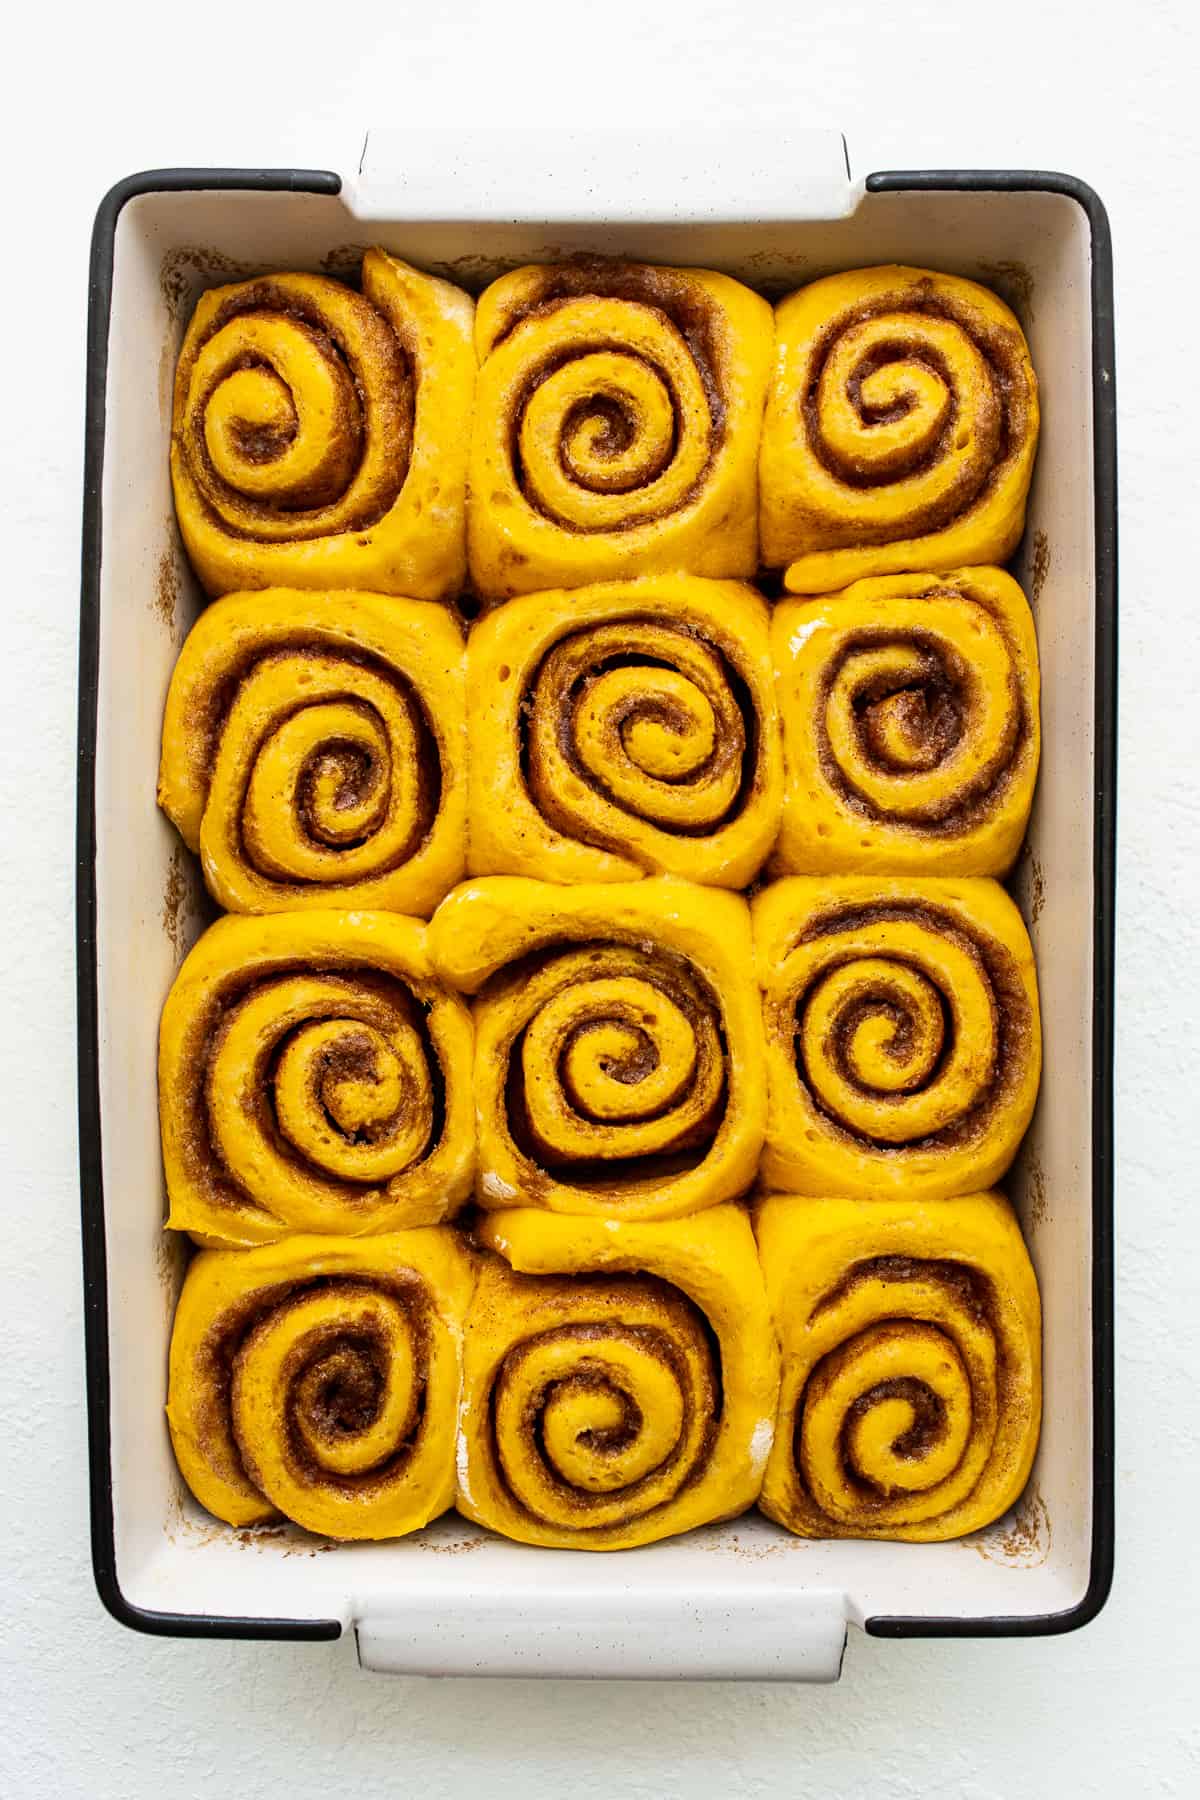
{"x": 745, "y": 1598}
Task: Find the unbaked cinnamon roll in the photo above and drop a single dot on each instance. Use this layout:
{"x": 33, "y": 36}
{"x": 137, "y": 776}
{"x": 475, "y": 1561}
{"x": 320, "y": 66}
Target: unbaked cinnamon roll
{"x": 911, "y": 1395}
{"x": 314, "y": 751}
{"x": 618, "y": 1064}
{"x": 620, "y": 1380}
{"x": 320, "y": 435}
{"x": 319, "y": 1379}
{"x": 910, "y": 725}
{"x": 625, "y": 729}
{"x": 903, "y": 1034}
{"x": 901, "y": 428}
{"x": 616, "y": 427}
{"x": 313, "y": 1075}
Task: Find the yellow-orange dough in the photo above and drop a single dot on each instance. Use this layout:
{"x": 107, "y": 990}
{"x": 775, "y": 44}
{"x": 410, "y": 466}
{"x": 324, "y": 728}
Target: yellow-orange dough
{"x": 903, "y": 1039}
{"x": 901, "y": 427}
{"x": 313, "y": 1075}
{"x": 617, "y": 422}
{"x": 319, "y": 1378}
{"x": 911, "y": 1334}
{"x": 319, "y": 437}
{"x": 620, "y": 1380}
{"x": 910, "y": 724}
{"x": 623, "y": 729}
{"x": 314, "y": 751}
{"x": 619, "y": 1059}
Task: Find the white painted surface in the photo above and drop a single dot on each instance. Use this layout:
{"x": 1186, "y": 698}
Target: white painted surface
{"x": 86, "y": 1709}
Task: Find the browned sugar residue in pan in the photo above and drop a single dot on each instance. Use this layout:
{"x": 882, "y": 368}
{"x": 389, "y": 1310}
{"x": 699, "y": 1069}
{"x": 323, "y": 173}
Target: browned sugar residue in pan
{"x": 1020, "y": 1540}
{"x": 344, "y": 262}
{"x": 751, "y": 1548}
{"x": 455, "y": 1547}
{"x": 1040, "y": 566}
{"x": 1032, "y": 887}
{"x": 1013, "y": 281}
{"x": 175, "y": 900}
{"x": 170, "y": 1260}
{"x": 179, "y": 266}
{"x": 1036, "y": 1204}
{"x": 165, "y": 602}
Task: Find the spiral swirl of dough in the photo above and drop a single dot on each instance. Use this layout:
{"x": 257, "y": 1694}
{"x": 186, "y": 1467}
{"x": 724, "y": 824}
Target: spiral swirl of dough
{"x": 911, "y": 1332}
{"x": 625, "y": 728}
{"x": 617, "y": 425}
{"x": 601, "y": 1421}
{"x": 315, "y": 754}
{"x": 900, "y": 430}
{"x": 318, "y": 1378}
{"x": 319, "y": 434}
{"x": 910, "y": 711}
{"x": 313, "y": 1077}
{"x": 620, "y": 1379}
{"x": 618, "y": 1042}
{"x": 903, "y": 1040}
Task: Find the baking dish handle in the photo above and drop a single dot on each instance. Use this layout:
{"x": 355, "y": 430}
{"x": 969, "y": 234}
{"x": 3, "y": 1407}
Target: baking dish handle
{"x": 614, "y": 1631}
{"x": 431, "y": 174}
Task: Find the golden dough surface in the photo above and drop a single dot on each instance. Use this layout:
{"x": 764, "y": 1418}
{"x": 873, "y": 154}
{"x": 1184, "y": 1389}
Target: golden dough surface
{"x": 903, "y": 1035}
{"x": 319, "y": 1379}
{"x": 620, "y": 1379}
{"x": 618, "y": 1042}
{"x": 314, "y": 751}
{"x": 656, "y": 910}
{"x": 911, "y": 1397}
{"x": 625, "y": 728}
{"x": 911, "y": 725}
{"x": 319, "y": 435}
{"x": 313, "y": 1076}
{"x": 900, "y": 431}
{"x": 616, "y": 426}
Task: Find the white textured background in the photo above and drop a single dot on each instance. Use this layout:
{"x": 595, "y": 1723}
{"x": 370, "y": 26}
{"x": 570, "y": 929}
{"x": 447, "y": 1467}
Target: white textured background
{"x": 88, "y": 1709}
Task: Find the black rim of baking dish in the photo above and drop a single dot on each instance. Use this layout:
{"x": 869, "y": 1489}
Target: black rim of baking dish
{"x": 95, "y": 1272}
{"x": 95, "y": 1255}
{"x": 1104, "y": 408}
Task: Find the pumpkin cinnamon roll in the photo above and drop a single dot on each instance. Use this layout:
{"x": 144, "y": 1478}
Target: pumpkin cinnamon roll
{"x": 313, "y": 1075}
{"x": 319, "y": 1379}
{"x": 617, "y": 421}
{"x": 625, "y": 729}
{"x": 620, "y": 1380}
{"x": 911, "y": 1395}
{"x": 314, "y": 751}
{"x": 903, "y": 1034}
{"x": 319, "y": 436}
{"x": 901, "y": 428}
{"x": 619, "y": 1057}
{"x": 910, "y": 725}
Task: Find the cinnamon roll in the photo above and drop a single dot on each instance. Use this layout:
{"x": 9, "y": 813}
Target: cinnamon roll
{"x": 620, "y": 1380}
{"x": 314, "y": 751}
{"x": 319, "y": 1379}
{"x": 319, "y": 436}
{"x": 903, "y": 1034}
{"x": 901, "y": 427}
{"x": 910, "y": 725}
{"x": 619, "y": 1058}
{"x": 625, "y": 729}
{"x": 313, "y": 1075}
{"x": 616, "y": 427}
{"x": 911, "y": 1395}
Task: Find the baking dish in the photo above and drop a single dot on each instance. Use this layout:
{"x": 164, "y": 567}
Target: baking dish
{"x": 743, "y": 1599}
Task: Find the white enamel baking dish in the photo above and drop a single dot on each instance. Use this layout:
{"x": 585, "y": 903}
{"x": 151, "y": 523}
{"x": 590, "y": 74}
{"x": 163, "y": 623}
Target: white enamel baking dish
{"x": 743, "y": 1599}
